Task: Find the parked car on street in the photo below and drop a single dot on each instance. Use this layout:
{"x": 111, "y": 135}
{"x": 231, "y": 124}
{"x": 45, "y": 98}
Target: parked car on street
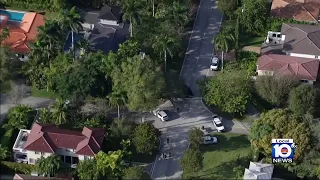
{"x": 218, "y": 123}
{"x": 214, "y": 66}
{"x": 210, "y": 140}
{"x": 161, "y": 115}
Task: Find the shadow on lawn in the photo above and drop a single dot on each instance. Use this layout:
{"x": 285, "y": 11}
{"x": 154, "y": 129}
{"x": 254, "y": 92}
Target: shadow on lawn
{"x": 228, "y": 144}
{"x": 225, "y": 170}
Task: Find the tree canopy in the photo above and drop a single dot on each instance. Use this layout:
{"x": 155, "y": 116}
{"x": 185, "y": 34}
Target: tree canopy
{"x": 279, "y": 123}
{"x": 253, "y": 15}
{"x": 302, "y": 99}
{"x": 48, "y": 166}
{"x": 195, "y": 137}
{"x": 145, "y": 138}
{"x": 87, "y": 169}
{"x": 19, "y": 117}
{"x": 229, "y": 91}
{"x": 135, "y": 172}
{"x": 191, "y": 162}
{"x": 275, "y": 90}
{"x": 228, "y": 7}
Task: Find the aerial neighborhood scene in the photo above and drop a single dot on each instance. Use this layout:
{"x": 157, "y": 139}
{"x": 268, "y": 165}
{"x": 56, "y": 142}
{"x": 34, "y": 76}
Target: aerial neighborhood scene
{"x": 159, "y": 89}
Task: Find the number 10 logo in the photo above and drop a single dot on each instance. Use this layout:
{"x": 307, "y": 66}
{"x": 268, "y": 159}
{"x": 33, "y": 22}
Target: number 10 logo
{"x": 282, "y": 151}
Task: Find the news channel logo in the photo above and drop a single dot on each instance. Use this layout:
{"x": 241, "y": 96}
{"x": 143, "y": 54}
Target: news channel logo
{"x": 283, "y": 150}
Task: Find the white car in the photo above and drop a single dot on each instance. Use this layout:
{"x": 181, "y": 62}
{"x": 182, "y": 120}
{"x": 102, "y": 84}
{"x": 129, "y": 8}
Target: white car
{"x": 218, "y": 124}
{"x": 214, "y": 66}
{"x": 210, "y": 140}
{"x": 161, "y": 115}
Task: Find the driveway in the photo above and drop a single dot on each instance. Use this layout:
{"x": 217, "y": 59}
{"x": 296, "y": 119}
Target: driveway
{"x": 191, "y": 113}
{"x": 200, "y": 48}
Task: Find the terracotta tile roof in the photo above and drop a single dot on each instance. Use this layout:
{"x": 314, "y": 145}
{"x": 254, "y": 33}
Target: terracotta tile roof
{"x": 49, "y": 138}
{"x": 301, "y": 68}
{"x": 20, "y": 34}
{"x": 291, "y": 9}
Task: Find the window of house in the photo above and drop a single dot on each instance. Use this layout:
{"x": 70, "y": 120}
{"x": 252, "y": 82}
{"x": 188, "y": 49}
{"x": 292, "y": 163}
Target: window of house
{"x": 316, "y": 57}
{"x": 31, "y": 161}
{"x": 36, "y": 152}
{"x": 42, "y": 153}
{"x": 86, "y": 157}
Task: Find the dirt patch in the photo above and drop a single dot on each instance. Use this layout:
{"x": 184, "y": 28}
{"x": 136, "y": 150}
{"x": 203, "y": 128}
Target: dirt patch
{"x": 252, "y": 49}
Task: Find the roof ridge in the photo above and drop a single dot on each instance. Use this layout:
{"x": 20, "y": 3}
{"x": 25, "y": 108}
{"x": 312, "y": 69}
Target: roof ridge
{"x": 66, "y": 134}
{"x": 95, "y": 141}
{"x": 85, "y": 146}
{"x": 302, "y": 64}
{"x": 308, "y": 12}
{"x": 47, "y": 143}
{"x": 312, "y": 41}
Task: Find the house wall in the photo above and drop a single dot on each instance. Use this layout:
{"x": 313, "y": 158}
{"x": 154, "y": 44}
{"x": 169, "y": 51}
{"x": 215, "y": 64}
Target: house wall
{"x": 304, "y": 55}
{"x": 115, "y": 23}
{"x": 32, "y": 156}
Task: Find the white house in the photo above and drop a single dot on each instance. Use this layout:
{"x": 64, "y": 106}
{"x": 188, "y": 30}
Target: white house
{"x": 45, "y": 140}
{"x": 259, "y": 171}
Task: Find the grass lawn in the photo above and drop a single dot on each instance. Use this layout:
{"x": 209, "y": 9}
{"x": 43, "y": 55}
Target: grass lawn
{"x": 219, "y": 160}
{"x": 251, "y": 41}
{"x": 245, "y": 119}
{"x": 42, "y": 93}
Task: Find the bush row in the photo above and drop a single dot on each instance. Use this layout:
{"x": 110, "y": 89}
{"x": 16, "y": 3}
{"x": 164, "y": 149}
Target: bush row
{"x": 13, "y": 167}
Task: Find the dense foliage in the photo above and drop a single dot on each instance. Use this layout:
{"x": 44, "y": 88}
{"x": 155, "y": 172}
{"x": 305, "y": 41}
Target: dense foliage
{"x": 229, "y": 91}
{"x": 275, "y": 90}
{"x": 191, "y": 162}
{"x": 302, "y": 100}
{"x": 135, "y": 172}
{"x": 228, "y": 7}
{"x": 20, "y": 117}
{"x": 87, "y": 169}
{"x": 48, "y": 166}
{"x": 279, "y": 123}
{"x": 195, "y": 137}
{"x": 145, "y": 138}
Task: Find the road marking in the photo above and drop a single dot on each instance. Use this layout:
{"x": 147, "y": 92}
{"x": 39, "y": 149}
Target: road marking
{"x": 194, "y": 24}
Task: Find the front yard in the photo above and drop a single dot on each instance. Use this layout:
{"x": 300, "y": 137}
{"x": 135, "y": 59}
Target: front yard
{"x": 219, "y": 160}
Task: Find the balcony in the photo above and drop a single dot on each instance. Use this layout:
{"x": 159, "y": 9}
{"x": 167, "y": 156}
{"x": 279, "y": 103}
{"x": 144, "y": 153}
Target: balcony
{"x": 21, "y": 140}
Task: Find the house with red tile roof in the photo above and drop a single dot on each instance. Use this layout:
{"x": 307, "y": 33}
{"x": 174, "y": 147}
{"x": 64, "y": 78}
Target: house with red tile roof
{"x": 299, "y": 10}
{"x": 45, "y": 140}
{"x": 304, "y": 69}
{"x": 21, "y": 32}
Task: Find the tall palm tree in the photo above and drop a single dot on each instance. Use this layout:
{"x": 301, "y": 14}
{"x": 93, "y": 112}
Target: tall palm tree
{"x": 222, "y": 42}
{"x": 59, "y": 111}
{"x": 131, "y": 12}
{"x": 71, "y": 20}
{"x": 117, "y": 99}
{"x": 165, "y": 42}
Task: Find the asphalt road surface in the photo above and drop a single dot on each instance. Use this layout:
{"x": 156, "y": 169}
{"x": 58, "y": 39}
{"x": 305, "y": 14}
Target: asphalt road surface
{"x": 200, "y": 49}
{"x": 191, "y": 114}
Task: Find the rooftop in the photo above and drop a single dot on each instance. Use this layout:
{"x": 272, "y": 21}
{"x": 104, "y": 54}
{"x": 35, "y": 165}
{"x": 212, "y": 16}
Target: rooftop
{"x": 301, "y": 10}
{"x": 22, "y": 33}
{"x": 299, "y": 38}
{"x": 258, "y": 171}
{"x": 21, "y": 139}
{"x": 301, "y": 68}
{"x": 49, "y": 138}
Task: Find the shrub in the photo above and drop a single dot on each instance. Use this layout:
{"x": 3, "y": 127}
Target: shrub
{"x": 302, "y": 99}
{"x": 14, "y": 167}
{"x": 6, "y": 139}
{"x": 276, "y": 23}
{"x": 246, "y": 61}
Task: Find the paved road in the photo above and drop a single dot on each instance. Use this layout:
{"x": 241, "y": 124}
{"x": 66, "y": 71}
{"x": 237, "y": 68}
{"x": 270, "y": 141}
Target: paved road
{"x": 200, "y": 48}
{"x": 191, "y": 114}
{"x": 34, "y": 102}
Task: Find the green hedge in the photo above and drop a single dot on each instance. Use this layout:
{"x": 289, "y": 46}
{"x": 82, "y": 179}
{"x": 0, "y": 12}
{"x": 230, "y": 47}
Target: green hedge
{"x": 6, "y": 139}
{"x": 13, "y": 167}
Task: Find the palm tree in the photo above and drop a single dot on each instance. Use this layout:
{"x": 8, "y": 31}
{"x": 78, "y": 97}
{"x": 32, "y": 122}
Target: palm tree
{"x": 131, "y": 11}
{"x": 59, "y": 112}
{"x": 19, "y": 116}
{"x": 84, "y": 45}
{"x": 117, "y": 99}
{"x": 71, "y": 20}
{"x": 165, "y": 42}
{"x": 48, "y": 166}
{"x": 222, "y": 42}
{"x": 45, "y": 116}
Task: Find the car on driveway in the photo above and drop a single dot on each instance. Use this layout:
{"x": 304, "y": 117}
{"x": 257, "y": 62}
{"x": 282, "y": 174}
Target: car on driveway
{"x": 214, "y": 66}
{"x": 210, "y": 140}
{"x": 161, "y": 115}
{"x": 218, "y": 123}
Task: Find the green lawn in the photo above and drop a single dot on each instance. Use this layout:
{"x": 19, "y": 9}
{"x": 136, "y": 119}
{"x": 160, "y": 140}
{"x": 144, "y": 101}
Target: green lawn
{"x": 42, "y": 93}
{"x": 245, "y": 119}
{"x": 220, "y": 159}
{"x": 251, "y": 41}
